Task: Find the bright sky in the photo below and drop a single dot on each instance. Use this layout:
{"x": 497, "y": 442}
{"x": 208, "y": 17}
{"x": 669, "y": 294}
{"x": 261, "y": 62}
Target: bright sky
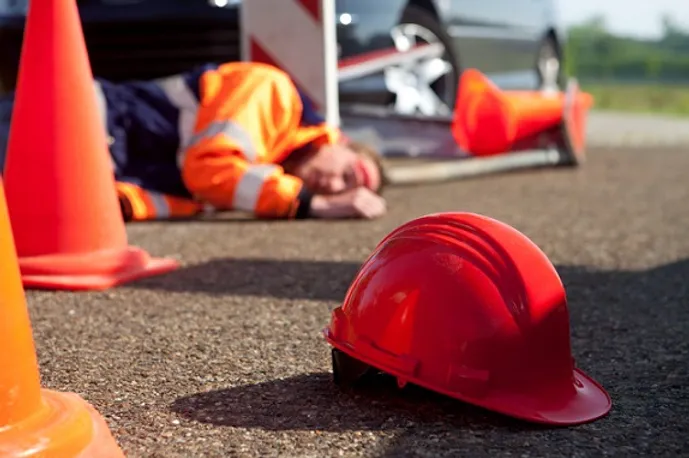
{"x": 629, "y": 17}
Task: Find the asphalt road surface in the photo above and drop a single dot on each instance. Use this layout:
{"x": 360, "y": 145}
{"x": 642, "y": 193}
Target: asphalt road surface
{"x": 225, "y": 357}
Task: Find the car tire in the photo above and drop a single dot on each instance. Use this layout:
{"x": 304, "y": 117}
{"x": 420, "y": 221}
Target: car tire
{"x": 446, "y": 86}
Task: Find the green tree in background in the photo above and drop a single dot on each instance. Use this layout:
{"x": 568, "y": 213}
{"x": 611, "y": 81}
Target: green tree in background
{"x": 593, "y": 53}
{"x": 631, "y": 74}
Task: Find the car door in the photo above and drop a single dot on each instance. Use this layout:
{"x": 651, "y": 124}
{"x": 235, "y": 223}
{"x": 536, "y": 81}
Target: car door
{"x": 498, "y": 37}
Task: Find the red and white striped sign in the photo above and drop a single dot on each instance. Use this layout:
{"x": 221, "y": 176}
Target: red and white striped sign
{"x": 299, "y": 37}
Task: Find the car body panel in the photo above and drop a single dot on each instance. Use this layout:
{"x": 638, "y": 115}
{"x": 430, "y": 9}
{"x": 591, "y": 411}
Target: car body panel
{"x": 499, "y": 37}
{"x": 149, "y": 38}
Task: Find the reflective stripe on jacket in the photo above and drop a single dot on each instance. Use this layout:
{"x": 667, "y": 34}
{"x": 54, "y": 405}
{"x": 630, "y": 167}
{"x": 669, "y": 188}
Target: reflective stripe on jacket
{"x": 138, "y": 204}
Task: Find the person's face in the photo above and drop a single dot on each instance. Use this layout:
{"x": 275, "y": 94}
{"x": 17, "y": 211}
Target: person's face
{"x": 335, "y": 168}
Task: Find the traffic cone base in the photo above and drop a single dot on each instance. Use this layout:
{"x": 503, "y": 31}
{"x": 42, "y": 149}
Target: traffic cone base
{"x": 569, "y": 136}
{"x": 92, "y": 271}
{"x": 66, "y": 426}
{"x": 577, "y": 104}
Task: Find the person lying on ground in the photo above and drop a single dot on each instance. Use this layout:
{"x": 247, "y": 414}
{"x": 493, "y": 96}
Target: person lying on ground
{"x": 236, "y": 136}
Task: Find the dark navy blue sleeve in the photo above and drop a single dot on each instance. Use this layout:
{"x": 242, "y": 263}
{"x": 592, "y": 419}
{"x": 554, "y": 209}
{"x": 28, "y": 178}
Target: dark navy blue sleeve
{"x": 6, "y": 103}
{"x": 193, "y": 78}
{"x": 310, "y": 116}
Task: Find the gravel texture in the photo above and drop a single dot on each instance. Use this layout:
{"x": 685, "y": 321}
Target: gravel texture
{"x": 224, "y": 358}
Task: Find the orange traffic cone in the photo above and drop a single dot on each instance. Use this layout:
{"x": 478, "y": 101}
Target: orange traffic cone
{"x": 489, "y": 121}
{"x": 61, "y": 195}
{"x": 33, "y": 421}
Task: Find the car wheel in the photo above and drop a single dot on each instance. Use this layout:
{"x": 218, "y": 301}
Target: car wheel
{"x": 549, "y": 66}
{"x": 426, "y": 86}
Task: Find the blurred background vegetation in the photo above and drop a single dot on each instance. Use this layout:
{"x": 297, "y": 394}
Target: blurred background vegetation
{"x": 631, "y": 74}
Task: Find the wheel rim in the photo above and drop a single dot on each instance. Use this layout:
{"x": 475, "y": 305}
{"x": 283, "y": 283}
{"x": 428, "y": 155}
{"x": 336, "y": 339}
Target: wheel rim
{"x": 549, "y": 68}
{"x": 422, "y": 86}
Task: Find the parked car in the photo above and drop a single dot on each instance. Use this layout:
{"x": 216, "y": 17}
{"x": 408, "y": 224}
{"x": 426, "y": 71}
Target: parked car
{"x": 516, "y": 42}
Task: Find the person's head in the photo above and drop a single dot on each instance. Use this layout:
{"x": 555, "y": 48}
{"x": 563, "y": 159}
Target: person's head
{"x": 332, "y": 169}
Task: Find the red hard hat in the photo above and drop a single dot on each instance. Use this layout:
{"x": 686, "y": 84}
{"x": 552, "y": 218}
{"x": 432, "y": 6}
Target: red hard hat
{"x": 467, "y": 306}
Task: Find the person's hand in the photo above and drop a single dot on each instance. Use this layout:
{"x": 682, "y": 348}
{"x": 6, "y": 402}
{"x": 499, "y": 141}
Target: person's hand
{"x": 355, "y": 203}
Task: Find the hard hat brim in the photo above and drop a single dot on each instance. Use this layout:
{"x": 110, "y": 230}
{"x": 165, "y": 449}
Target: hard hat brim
{"x": 586, "y": 402}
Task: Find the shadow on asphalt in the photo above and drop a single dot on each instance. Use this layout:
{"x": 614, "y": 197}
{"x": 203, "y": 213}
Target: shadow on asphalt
{"x": 628, "y": 331}
{"x": 313, "y": 402}
{"x": 317, "y": 280}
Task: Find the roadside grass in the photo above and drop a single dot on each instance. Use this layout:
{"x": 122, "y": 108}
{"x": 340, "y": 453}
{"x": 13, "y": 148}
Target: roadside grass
{"x": 659, "y": 98}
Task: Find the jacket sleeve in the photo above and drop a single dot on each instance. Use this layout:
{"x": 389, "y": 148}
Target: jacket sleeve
{"x": 139, "y": 204}
{"x": 247, "y": 116}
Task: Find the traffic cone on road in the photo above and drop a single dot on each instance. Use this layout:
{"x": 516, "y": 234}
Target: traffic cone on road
{"x": 37, "y": 422}
{"x": 490, "y": 121}
{"x": 61, "y": 193}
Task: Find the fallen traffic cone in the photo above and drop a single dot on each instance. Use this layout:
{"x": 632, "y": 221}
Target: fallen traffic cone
{"x": 37, "y": 422}
{"x": 490, "y": 121}
{"x": 61, "y": 193}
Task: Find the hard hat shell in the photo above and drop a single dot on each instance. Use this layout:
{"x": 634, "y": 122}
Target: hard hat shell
{"x": 469, "y": 307}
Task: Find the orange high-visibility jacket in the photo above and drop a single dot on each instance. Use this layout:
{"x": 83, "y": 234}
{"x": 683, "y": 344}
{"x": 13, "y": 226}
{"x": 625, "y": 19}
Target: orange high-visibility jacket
{"x": 212, "y": 137}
